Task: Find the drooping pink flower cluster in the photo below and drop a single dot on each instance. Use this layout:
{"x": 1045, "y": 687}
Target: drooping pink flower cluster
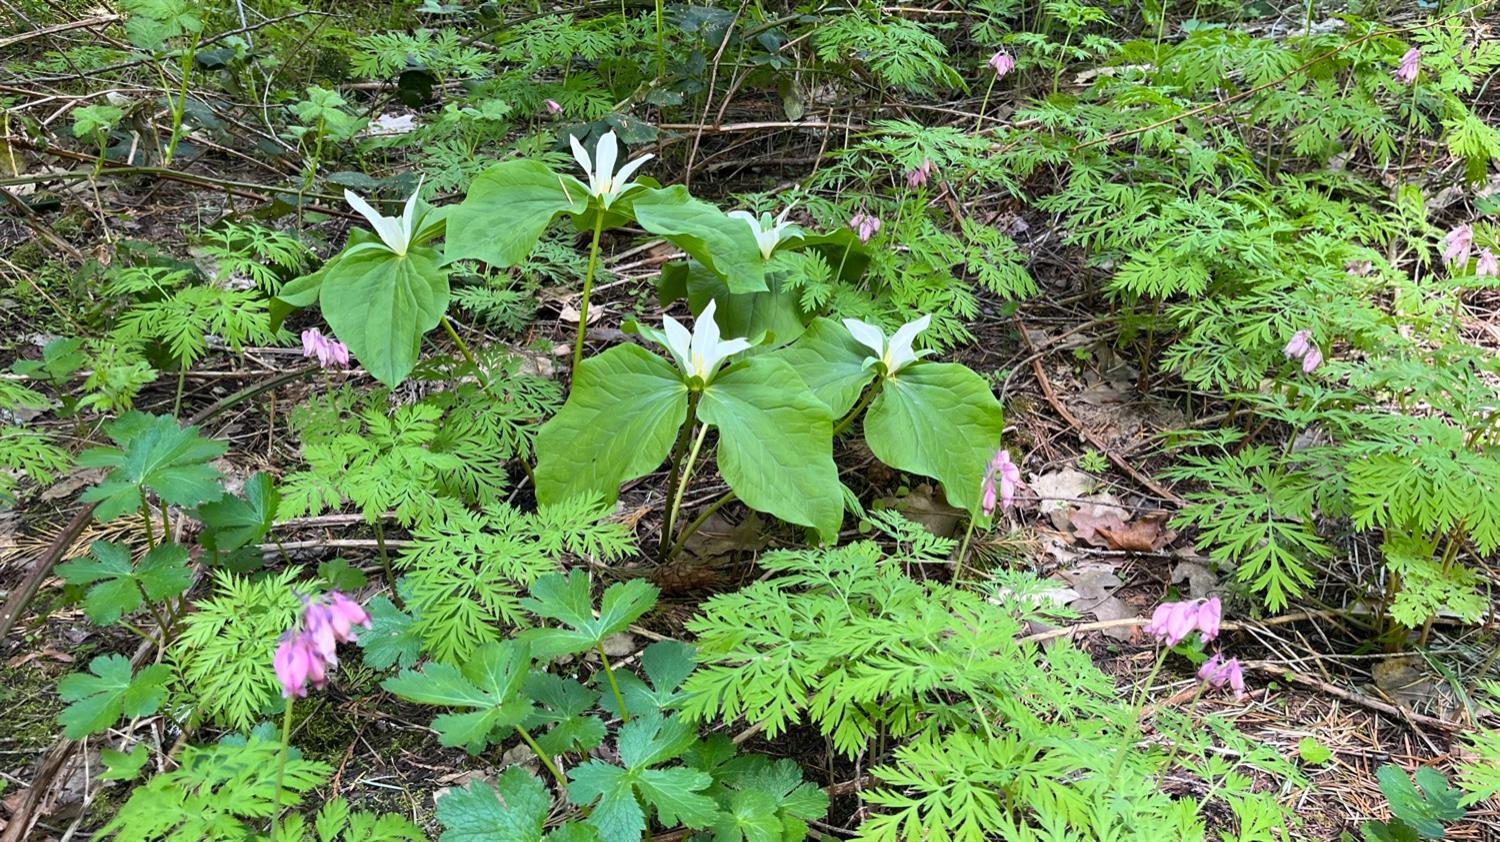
{"x": 1003, "y": 63}
{"x": 1217, "y": 671}
{"x": 1303, "y": 348}
{"x": 306, "y": 654}
{"x": 1172, "y": 622}
{"x": 553, "y": 106}
{"x": 918, "y": 177}
{"x": 330, "y": 352}
{"x": 1411, "y": 63}
{"x": 1458, "y": 245}
{"x": 1487, "y": 266}
{"x": 1003, "y": 477}
{"x": 865, "y": 225}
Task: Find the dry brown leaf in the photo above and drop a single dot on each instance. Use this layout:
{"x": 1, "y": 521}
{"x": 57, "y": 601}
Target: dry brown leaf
{"x": 1106, "y": 528}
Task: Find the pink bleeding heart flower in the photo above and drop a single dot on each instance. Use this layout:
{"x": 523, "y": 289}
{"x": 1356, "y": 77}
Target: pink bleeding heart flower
{"x": 1298, "y": 346}
{"x": 865, "y": 225}
{"x": 1003, "y": 63}
{"x": 1411, "y": 63}
{"x": 1210, "y": 613}
{"x": 330, "y": 352}
{"x": 1217, "y": 672}
{"x": 554, "y": 107}
{"x": 918, "y": 177}
{"x": 1172, "y": 622}
{"x": 1312, "y": 359}
{"x": 317, "y": 627}
{"x": 293, "y": 662}
{"x": 1000, "y": 482}
{"x": 1458, "y": 244}
{"x": 1487, "y": 266}
{"x": 345, "y": 614}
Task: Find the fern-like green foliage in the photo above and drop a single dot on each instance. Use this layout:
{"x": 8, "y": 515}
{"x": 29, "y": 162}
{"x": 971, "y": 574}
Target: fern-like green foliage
{"x": 265, "y": 256}
{"x": 25, "y": 453}
{"x": 464, "y": 576}
{"x": 168, "y": 307}
{"x": 223, "y": 655}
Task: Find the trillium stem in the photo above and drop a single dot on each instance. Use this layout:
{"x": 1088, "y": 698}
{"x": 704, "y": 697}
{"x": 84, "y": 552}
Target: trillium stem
{"x": 854, "y": 413}
{"x": 542, "y": 756}
{"x": 687, "y": 532}
{"x": 588, "y": 286}
{"x": 676, "y": 475}
{"x": 682, "y": 482}
{"x": 614, "y": 686}
{"x": 468, "y": 356}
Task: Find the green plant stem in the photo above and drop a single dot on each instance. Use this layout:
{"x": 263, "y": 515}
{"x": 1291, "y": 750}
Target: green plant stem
{"x": 614, "y": 686}
{"x": 661, "y": 58}
{"x": 870, "y": 394}
{"x": 484, "y": 382}
{"x": 146, "y": 521}
{"x": 698, "y": 522}
{"x": 385, "y": 562}
{"x": 161, "y": 622}
{"x": 286, "y": 745}
{"x": 682, "y": 483}
{"x": 963, "y": 551}
{"x": 557, "y": 774}
{"x": 166, "y": 526}
{"x": 677, "y": 452}
{"x": 179, "y": 106}
{"x": 1135, "y": 721}
{"x": 984, "y": 104}
{"x": 181, "y": 379}
{"x": 588, "y": 286}
{"x": 1166, "y": 768}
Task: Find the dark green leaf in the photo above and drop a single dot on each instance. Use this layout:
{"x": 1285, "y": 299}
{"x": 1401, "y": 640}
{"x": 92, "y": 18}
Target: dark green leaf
{"x": 831, "y": 363}
{"x": 381, "y": 304}
{"x": 108, "y": 691}
{"x": 507, "y": 208}
{"x": 724, "y": 245}
{"x": 154, "y": 453}
{"x": 233, "y": 522}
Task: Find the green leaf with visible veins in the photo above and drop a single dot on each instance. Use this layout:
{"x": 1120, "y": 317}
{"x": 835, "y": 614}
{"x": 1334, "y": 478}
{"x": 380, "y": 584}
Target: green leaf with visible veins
{"x": 154, "y": 452}
{"x": 513, "y": 810}
{"x": 108, "y": 691}
{"x": 381, "y": 304}
{"x": 618, "y": 424}
{"x": 507, "y": 208}
{"x": 117, "y": 585}
{"x": 488, "y": 688}
{"x": 620, "y": 795}
{"x": 568, "y": 601}
{"x": 233, "y": 522}
{"x": 939, "y": 420}
{"x": 776, "y": 443}
{"x": 831, "y": 363}
{"x": 726, "y": 246}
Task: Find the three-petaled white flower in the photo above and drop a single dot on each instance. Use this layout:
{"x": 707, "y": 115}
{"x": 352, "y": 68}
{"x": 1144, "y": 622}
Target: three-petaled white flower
{"x": 604, "y": 183}
{"x": 700, "y": 352}
{"x": 768, "y": 232}
{"x": 395, "y": 232}
{"x": 894, "y": 354}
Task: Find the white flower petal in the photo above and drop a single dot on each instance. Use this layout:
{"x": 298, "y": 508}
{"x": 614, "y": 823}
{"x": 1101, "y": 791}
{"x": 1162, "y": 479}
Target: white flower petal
{"x": 408, "y": 216}
{"x": 388, "y": 228}
{"x": 605, "y": 155}
{"x": 679, "y": 342}
{"x": 899, "y": 353}
{"x": 705, "y": 336}
{"x": 745, "y": 215}
{"x": 867, "y": 335}
{"x": 582, "y": 157}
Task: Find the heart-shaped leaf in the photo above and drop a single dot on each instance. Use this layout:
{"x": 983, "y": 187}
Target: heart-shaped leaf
{"x": 726, "y": 246}
{"x": 507, "y": 208}
{"x": 381, "y": 304}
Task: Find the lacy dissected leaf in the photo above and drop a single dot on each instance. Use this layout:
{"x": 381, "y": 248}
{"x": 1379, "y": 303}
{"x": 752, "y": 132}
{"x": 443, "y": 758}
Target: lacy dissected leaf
{"x": 620, "y": 795}
{"x": 381, "y": 304}
{"x": 155, "y": 453}
{"x": 939, "y": 420}
{"x": 506, "y": 210}
{"x": 725, "y": 246}
{"x": 618, "y": 424}
{"x": 487, "y": 688}
{"x": 98, "y": 698}
{"x": 776, "y": 444}
{"x": 233, "y": 522}
{"x": 568, "y": 600}
{"x": 831, "y": 363}
{"x": 116, "y": 586}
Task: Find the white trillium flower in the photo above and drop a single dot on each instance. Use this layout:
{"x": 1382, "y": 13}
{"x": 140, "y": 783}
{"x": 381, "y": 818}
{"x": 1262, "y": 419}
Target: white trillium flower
{"x": 895, "y": 354}
{"x": 395, "y": 232}
{"x": 768, "y": 233}
{"x": 699, "y": 353}
{"x": 604, "y": 183}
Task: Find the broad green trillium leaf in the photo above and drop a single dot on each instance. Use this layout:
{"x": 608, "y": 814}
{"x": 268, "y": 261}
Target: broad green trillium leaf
{"x": 619, "y": 423}
{"x": 506, "y": 210}
{"x": 726, "y": 246}
{"x": 939, "y": 420}
{"x": 776, "y": 443}
{"x": 832, "y": 364}
{"x": 380, "y": 304}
